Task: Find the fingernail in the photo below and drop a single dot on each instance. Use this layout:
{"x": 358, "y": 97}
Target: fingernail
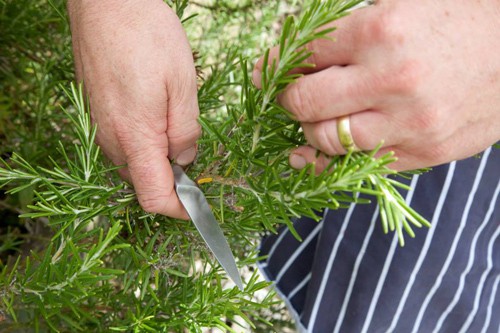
{"x": 186, "y": 157}
{"x": 297, "y": 161}
{"x": 256, "y": 78}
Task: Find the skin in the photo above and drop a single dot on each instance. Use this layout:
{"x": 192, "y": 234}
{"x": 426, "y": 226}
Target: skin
{"x": 138, "y": 71}
{"x": 423, "y": 76}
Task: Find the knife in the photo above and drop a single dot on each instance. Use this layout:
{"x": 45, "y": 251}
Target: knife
{"x": 196, "y": 205}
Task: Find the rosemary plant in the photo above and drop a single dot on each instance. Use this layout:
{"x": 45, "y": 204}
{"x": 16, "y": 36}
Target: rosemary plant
{"x": 107, "y": 265}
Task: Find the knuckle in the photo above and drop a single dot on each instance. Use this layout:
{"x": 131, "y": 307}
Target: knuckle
{"x": 127, "y": 144}
{"x": 185, "y": 87}
{"x": 326, "y": 140}
{"x": 406, "y": 79}
{"x": 438, "y": 153}
{"x": 144, "y": 173}
{"x": 313, "y": 48}
{"x": 138, "y": 140}
{"x": 299, "y": 102}
{"x": 184, "y": 134}
{"x": 151, "y": 204}
{"x": 152, "y": 196}
{"x": 322, "y": 163}
{"x": 428, "y": 121}
{"x": 384, "y": 28}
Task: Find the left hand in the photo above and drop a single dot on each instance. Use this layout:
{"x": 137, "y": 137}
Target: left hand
{"x": 421, "y": 76}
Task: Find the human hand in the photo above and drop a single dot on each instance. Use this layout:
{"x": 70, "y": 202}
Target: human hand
{"x": 138, "y": 71}
{"x": 423, "y": 76}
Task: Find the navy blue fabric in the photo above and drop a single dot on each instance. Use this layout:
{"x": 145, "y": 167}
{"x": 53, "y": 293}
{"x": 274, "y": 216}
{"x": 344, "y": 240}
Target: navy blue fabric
{"x": 351, "y": 277}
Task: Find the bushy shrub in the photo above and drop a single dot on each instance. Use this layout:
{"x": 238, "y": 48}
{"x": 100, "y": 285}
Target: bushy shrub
{"x": 83, "y": 256}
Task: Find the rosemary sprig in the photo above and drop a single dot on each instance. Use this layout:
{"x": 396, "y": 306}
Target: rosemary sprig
{"x": 110, "y": 266}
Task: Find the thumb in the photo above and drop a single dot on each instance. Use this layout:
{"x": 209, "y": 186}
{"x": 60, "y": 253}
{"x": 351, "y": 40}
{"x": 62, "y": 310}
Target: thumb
{"x": 153, "y": 179}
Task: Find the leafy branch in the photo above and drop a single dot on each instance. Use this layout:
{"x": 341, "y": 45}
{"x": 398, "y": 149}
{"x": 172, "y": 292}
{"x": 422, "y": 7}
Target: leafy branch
{"x": 256, "y": 138}
{"x": 110, "y": 266}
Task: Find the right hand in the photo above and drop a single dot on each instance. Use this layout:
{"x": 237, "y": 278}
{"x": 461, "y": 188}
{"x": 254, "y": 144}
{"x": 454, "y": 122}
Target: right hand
{"x": 421, "y": 77}
{"x": 139, "y": 74}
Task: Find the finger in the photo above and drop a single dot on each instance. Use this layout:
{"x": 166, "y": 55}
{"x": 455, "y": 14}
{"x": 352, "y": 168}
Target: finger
{"x": 75, "y": 42}
{"x": 153, "y": 180}
{"x": 342, "y": 46}
{"x": 183, "y": 128}
{"x": 425, "y": 150}
{"x": 331, "y": 93}
{"x": 304, "y": 155}
{"x": 368, "y": 129}
{"x": 125, "y": 174}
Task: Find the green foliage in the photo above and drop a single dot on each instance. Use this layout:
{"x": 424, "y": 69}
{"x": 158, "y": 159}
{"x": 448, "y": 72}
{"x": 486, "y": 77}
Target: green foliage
{"x": 257, "y": 135}
{"x": 102, "y": 263}
{"x": 109, "y": 265}
{"x": 34, "y": 60}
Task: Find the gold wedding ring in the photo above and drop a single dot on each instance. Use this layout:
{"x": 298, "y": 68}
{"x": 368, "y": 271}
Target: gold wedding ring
{"x": 345, "y": 135}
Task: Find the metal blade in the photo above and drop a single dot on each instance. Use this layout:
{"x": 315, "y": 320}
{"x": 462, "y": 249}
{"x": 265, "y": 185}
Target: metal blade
{"x": 198, "y": 209}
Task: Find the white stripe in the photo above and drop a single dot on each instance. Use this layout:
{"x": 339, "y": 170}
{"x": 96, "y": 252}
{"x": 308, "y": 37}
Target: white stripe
{"x": 425, "y": 248}
{"x": 387, "y": 264}
{"x": 470, "y": 263}
{"x": 454, "y": 245}
{"x": 283, "y": 234}
{"x": 275, "y": 245}
{"x": 354, "y": 274}
{"x": 301, "y": 248}
{"x": 301, "y": 285}
{"x": 328, "y": 268}
{"x": 480, "y": 287}
{"x": 490, "y": 305}
{"x": 463, "y": 275}
{"x": 298, "y": 251}
{"x": 293, "y": 313}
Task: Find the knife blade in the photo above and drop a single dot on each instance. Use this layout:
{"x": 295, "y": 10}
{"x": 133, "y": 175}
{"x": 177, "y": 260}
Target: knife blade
{"x": 196, "y": 205}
